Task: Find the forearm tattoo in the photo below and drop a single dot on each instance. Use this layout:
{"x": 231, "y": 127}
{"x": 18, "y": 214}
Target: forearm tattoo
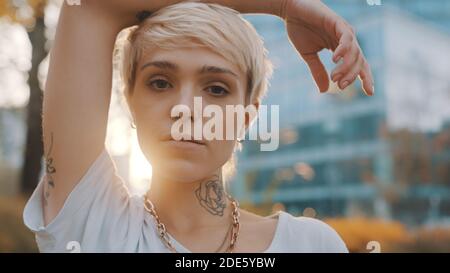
{"x": 211, "y": 195}
{"x": 49, "y": 171}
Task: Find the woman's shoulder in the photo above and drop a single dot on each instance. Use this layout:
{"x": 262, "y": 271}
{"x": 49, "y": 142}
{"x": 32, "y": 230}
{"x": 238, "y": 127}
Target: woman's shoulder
{"x": 309, "y": 223}
{"x": 312, "y": 235}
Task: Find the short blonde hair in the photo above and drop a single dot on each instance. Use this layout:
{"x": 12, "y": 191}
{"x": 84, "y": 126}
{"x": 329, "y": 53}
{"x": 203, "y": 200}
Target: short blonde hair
{"x": 221, "y": 29}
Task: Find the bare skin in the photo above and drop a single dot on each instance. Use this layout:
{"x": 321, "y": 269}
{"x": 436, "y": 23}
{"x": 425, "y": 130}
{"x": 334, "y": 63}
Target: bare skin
{"x": 78, "y": 92}
{"x": 211, "y": 221}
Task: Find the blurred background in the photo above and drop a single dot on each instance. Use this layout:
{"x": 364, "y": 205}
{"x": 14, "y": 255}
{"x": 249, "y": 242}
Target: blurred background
{"x": 377, "y": 169}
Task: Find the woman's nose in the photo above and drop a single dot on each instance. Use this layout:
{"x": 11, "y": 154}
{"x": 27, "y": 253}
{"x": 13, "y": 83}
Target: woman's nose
{"x": 189, "y": 98}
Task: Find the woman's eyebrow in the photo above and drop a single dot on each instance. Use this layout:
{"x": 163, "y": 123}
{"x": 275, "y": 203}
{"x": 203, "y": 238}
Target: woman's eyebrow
{"x": 161, "y": 64}
{"x": 216, "y": 69}
{"x": 205, "y": 69}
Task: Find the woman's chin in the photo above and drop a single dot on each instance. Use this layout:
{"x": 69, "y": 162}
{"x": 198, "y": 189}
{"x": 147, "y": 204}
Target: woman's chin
{"x": 183, "y": 170}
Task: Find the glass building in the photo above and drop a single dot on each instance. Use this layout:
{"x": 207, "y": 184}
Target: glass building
{"x": 343, "y": 153}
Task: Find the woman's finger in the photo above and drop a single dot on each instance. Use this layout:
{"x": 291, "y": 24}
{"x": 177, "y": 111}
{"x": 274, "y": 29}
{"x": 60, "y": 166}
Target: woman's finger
{"x": 351, "y": 75}
{"x": 348, "y": 61}
{"x": 340, "y": 51}
{"x": 345, "y": 35}
{"x": 367, "y": 79}
{"x": 317, "y": 70}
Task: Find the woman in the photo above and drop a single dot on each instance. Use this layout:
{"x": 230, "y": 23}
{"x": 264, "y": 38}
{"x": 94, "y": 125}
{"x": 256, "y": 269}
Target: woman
{"x": 178, "y": 53}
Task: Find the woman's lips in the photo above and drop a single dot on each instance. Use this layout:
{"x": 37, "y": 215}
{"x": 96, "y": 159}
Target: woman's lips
{"x": 186, "y": 143}
{"x": 193, "y": 141}
{"x": 184, "y": 138}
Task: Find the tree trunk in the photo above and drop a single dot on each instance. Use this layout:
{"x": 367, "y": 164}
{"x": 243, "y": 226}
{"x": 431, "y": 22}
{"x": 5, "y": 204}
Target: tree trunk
{"x": 34, "y": 146}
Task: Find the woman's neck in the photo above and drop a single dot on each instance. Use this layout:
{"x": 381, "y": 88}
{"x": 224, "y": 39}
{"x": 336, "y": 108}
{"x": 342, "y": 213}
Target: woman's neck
{"x": 186, "y": 207}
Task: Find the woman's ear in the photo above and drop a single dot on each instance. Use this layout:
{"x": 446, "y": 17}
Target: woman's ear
{"x": 250, "y": 117}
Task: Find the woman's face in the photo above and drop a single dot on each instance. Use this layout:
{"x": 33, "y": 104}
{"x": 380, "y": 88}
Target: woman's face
{"x": 166, "y": 78}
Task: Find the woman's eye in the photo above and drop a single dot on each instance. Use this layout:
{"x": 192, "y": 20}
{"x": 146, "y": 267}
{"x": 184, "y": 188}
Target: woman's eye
{"x": 217, "y": 90}
{"x": 160, "y": 84}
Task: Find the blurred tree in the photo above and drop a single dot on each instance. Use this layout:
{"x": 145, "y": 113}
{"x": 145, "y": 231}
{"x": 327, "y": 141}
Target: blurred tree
{"x": 441, "y": 156}
{"x": 36, "y": 32}
{"x": 412, "y": 157}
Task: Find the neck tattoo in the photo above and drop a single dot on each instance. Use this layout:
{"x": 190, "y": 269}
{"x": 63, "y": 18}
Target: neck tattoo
{"x": 211, "y": 195}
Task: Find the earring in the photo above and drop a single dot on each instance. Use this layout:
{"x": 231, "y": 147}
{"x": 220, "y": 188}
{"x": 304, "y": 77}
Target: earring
{"x": 132, "y": 125}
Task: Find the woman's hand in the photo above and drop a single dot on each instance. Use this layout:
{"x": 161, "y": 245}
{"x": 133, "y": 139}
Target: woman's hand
{"x": 311, "y": 27}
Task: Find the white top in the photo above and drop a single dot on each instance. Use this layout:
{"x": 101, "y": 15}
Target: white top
{"x": 100, "y": 215}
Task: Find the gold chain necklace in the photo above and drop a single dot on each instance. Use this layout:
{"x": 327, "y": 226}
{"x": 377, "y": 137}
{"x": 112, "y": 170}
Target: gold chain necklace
{"x": 164, "y": 236}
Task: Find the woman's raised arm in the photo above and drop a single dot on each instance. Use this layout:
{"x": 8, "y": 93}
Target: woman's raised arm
{"x": 76, "y": 98}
